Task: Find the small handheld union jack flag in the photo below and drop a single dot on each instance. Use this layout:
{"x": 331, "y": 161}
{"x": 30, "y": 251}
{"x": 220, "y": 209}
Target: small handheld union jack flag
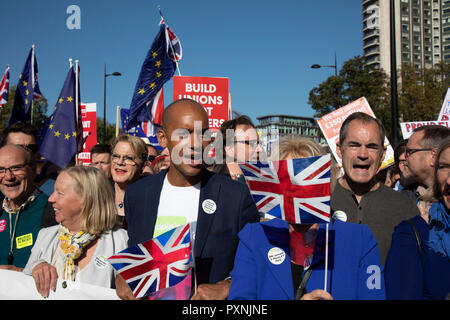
{"x": 296, "y": 190}
{"x": 156, "y": 264}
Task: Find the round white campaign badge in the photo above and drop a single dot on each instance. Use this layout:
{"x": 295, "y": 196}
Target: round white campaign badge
{"x": 209, "y": 206}
{"x": 276, "y": 255}
{"x": 340, "y": 215}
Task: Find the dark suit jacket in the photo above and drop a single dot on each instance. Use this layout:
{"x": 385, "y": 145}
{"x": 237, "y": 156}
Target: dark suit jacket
{"x": 216, "y": 235}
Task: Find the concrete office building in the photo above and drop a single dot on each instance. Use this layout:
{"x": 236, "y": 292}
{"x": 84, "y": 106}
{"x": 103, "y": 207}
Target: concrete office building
{"x": 422, "y": 29}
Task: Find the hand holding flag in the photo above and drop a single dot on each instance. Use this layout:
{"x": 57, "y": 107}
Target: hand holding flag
{"x": 156, "y": 264}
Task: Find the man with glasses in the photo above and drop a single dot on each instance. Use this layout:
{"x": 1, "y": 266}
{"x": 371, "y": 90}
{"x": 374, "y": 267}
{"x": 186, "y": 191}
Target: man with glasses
{"x": 239, "y": 143}
{"x": 359, "y": 196}
{"x": 421, "y": 151}
{"x": 22, "y": 208}
{"x": 152, "y": 154}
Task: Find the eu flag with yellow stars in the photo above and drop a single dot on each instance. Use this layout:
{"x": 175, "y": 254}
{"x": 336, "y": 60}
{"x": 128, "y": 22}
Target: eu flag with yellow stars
{"x": 61, "y": 139}
{"x": 27, "y": 90}
{"x": 157, "y": 68}
{"x": 133, "y": 131}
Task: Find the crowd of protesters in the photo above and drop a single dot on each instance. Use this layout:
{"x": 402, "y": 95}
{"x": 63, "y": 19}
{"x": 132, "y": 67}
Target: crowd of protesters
{"x": 390, "y": 227}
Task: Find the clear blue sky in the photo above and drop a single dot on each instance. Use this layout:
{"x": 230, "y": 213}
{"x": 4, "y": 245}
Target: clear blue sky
{"x": 265, "y": 48}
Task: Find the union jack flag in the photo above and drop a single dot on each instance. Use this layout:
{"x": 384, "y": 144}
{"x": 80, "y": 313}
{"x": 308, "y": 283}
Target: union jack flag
{"x": 4, "y": 88}
{"x": 156, "y": 264}
{"x": 296, "y": 190}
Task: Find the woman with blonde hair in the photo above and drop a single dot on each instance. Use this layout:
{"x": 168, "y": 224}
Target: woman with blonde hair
{"x": 86, "y": 233}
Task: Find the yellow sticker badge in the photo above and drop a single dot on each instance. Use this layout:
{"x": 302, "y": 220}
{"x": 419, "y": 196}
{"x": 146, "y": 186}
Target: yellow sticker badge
{"x": 24, "y": 241}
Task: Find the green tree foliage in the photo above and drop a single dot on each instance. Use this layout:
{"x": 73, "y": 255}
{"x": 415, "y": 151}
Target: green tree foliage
{"x": 420, "y": 92}
{"x": 110, "y": 131}
{"x": 355, "y": 80}
{"x": 39, "y": 110}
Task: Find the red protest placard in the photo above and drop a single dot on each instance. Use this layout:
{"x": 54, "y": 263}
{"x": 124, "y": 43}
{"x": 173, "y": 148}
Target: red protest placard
{"x": 211, "y": 93}
{"x": 89, "y": 118}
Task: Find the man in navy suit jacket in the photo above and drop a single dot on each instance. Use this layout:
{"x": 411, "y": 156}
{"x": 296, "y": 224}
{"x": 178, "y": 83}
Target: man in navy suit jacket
{"x": 224, "y": 205}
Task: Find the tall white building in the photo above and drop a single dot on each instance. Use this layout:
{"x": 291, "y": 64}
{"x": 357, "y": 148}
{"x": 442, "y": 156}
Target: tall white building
{"x": 422, "y": 29}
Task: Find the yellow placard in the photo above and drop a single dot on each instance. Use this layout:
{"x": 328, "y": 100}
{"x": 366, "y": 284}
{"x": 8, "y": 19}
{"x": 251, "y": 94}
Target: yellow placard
{"x": 24, "y": 241}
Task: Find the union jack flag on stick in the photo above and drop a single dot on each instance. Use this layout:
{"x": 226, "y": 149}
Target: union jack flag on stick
{"x": 156, "y": 264}
{"x": 296, "y": 190}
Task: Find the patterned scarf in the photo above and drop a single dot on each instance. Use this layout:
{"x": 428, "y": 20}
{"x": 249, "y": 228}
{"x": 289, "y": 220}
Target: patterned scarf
{"x": 72, "y": 247}
{"x": 439, "y": 239}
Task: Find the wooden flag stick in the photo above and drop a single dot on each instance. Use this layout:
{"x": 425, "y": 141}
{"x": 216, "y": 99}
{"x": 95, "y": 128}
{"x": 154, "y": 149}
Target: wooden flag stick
{"x": 326, "y": 258}
{"x": 32, "y": 82}
{"x": 117, "y": 120}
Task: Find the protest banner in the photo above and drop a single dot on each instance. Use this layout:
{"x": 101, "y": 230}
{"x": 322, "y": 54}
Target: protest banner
{"x": 19, "y": 286}
{"x": 89, "y": 119}
{"x": 211, "y": 93}
{"x": 408, "y": 127}
{"x": 444, "y": 115}
{"x": 331, "y": 123}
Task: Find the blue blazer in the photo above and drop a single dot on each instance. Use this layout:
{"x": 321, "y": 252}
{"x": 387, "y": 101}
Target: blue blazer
{"x": 216, "y": 235}
{"x": 409, "y": 276}
{"x": 354, "y": 265}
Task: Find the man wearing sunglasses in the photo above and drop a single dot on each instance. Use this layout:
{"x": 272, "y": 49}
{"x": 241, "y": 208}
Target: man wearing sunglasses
{"x": 421, "y": 151}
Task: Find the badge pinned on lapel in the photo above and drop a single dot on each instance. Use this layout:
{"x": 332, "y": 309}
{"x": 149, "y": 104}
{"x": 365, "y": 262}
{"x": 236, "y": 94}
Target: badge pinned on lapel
{"x": 276, "y": 255}
{"x": 209, "y": 206}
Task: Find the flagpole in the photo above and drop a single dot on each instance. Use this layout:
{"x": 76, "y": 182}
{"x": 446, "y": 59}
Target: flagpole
{"x": 76, "y": 91}
{"x": 230, "y": 110}
{"x": 117, "y": 120}
{"x": 76, "y": 107}
{"x": 326, "y": 258}
{"x": 170, "y": 43}
{"x": 32, "y": 80}
{"x": 193, "y": 259}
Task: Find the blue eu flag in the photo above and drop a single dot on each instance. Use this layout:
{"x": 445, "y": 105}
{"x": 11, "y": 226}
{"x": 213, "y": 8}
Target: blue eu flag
{"x": 61, "y": 139}
{"x": 133, "y": 131}
{"x": 27, "y": 90}
{"x": 157, "y": 68}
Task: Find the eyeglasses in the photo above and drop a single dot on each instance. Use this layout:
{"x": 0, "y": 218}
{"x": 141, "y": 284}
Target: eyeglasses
{"x": 151, "y": 158}
{"x": 15, "y": 170}
{"x": 251, "y": 143}
{"x": 409, "y": 152}
{"x": 127, "y": 160}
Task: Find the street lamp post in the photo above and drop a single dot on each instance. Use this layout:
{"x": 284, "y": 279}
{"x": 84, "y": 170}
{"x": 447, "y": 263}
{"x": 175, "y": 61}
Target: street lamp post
{"x": 318, "y": 66}
{"x": 394, "y": 98}
{"x": 105, "y": 75}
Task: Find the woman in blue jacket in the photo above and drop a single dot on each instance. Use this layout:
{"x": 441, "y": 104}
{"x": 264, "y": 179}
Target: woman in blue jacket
{"x": 418, "y": 266}
{"x": 266, "y": 264}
